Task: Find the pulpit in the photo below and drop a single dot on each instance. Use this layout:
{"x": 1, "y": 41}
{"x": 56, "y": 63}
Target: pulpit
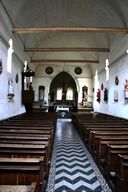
{"x": 28, "y": 95}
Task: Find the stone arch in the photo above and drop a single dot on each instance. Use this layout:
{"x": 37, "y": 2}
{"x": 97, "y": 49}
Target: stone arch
{"x": 62, "y": 80}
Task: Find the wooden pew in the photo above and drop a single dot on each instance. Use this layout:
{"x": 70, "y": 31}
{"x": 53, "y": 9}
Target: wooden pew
{"x": 25, "y": 151}
{"x": 111, "y": 157}
{"x": 34, "y": 131}
{"x": 23, "y": 146}
{"x": 103, "y": 141}
{"x": 93, "y": 134}
{"x": 32, "y": 125}
{"x": 102, "y": 127}
{"x": 29, "y": 136}
{"x": 18, "y": 188}
{"x": 32, "y": 122}
{"x": 28, "y": 140}
{"x": 113, "y": 131}
{"x": 30, "y": 128}
{"x": 122, "y": 173}
{"x": 22, "y": 171}
{"x": 104, "y": 130}
{"x": 99, "y": 125}
{"x": 17, "y": 131}
{"x": 27, "y": 126}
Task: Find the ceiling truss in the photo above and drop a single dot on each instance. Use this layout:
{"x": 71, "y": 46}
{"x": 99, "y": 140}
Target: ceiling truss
{"x": 69, "y": 29}
{"x": 61, "y": 49}
{"x": 44, "y": 61}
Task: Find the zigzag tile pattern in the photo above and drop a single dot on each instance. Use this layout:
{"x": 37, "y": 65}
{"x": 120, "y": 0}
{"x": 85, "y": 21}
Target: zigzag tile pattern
{"x": 72, "y": 168}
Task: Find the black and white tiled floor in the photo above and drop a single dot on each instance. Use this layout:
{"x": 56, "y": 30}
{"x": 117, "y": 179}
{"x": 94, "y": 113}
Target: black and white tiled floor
{"x": 72, "y": 167}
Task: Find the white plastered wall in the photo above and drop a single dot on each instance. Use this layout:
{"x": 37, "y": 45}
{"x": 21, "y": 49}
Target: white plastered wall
{"x": 118, "y": 67}
{"x": 14, "y": 106}
{"x": 43, "y": 79}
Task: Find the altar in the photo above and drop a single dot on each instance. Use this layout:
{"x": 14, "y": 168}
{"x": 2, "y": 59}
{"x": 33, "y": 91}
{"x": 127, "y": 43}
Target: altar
{"x": 62, "y": 108}
{"x": 63, "y": 111}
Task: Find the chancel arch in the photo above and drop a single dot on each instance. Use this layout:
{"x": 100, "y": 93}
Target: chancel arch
{"x": 63, "y": 81}
{"x": 63, "y": 90}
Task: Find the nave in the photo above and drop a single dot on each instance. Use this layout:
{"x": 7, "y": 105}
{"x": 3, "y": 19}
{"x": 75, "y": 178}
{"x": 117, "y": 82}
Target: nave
{"x": 72, "y": 167}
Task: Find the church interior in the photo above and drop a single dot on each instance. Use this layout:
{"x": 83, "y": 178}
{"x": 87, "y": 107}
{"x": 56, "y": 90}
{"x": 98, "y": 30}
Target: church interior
{"x": 63, "y": 96}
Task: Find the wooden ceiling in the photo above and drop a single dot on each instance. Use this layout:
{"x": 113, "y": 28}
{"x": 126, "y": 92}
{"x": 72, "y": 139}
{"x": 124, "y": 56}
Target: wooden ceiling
{"x": 67, "y": 31}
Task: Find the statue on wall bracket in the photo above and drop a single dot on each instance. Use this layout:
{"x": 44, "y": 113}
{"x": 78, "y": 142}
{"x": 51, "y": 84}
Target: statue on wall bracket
{"x": 126, "y": 89}
{"x": 1, "y": 67}
{"x": 116, "y": 80}
{"x": 115, "y": 95}
{"x": 98, "y": 95}
{"x": 10, "y": 90}
{"x": 106, "y": 95}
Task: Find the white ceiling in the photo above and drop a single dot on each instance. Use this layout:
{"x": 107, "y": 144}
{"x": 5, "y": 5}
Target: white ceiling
{"x": 68, "y": 13}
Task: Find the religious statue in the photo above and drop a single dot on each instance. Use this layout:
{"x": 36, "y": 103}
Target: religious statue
{"x": 98, "y": 95}
{"x": 30, "y": 86}
{"x": 64, "y": 95}
{"x": 126, "y": 89}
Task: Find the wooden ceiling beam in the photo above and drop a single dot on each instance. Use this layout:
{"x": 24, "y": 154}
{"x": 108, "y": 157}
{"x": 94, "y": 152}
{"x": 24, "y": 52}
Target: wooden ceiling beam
{"x": 69, "y": 29}
{"x": 43, "y": 61}
{"x": 61, "y": 49}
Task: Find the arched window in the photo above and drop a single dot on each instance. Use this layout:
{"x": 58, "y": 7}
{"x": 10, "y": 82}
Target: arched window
{"x": 69, "y": 94}
{"x": 25, "y": 78}
{"x": 9, "y": 59}
{"x": 59, "y": 94}
{"x": 107, "y": 69}
{"x": 96, "y": 76}
{"x": 96, "y": 80}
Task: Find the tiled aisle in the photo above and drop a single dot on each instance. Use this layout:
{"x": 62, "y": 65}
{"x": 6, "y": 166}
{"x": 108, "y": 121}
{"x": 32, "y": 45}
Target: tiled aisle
{"x": 72, "y": 168}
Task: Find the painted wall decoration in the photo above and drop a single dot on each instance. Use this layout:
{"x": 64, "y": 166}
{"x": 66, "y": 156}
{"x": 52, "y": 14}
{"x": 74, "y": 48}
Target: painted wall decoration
{"x": 98, "y": 95}
{"x": 126, "y": 89}
{"x": 102, "y": 86}
{"x": 106, "y": 95}
{"x": 10, "y": 90}
{"x": 11, "y": 87}
{"x": 85, "y": 93}
{"x": 116, "y": 80}
{"x": 30, "y": 86}
{"x": 17, "y": 78}
{"x": 115, "y": 95}
{"x": 1, "y": 67}
{"x": 41, "y": 95}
